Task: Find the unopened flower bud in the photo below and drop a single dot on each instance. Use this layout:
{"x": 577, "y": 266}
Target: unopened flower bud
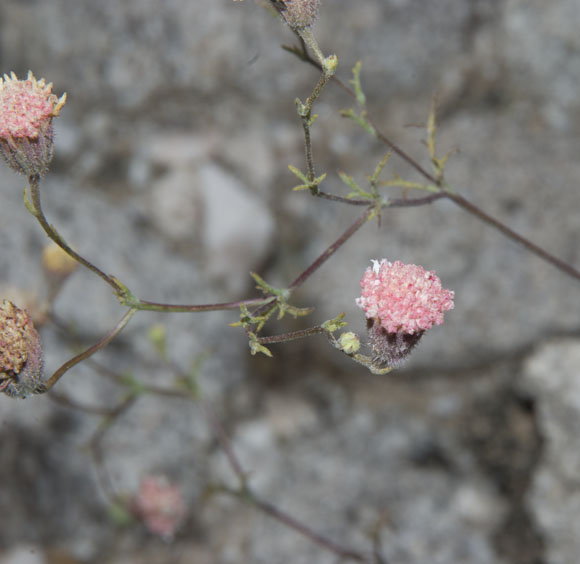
{"x": 349, "y": 342}
{"x": 401, "y": 302}
{"x": 20, "y": 353}
{"x": 26, "y": 111}
{"x": 299, "y": 14}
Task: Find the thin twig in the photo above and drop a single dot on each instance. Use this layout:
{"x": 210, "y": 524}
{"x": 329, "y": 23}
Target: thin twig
{"x": 292, "y": 523}
{"x": 332, "y": 249}
{"x": 91, "y": 350}
{"x": 292, "y": 335}
{"x": 505, "y": 230}
{"x": 145, "y": 305}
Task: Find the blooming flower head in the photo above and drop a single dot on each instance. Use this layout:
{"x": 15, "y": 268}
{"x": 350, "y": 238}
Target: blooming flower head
{"x": 404, "y": 297}
{"x": 160, "y": 505}
{"x": 20, "y": 353}
{"x": 26, "y": 111}
{"x": 401, "y": 301}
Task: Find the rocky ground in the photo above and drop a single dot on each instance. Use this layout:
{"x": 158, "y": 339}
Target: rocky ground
{"x": 171, "y": 173}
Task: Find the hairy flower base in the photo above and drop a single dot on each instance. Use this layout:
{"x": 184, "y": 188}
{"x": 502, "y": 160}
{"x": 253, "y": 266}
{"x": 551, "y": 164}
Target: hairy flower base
{"x": 21, "y": 364}
{"x": 390, "y": 349}
{"x": 29, "y": 156}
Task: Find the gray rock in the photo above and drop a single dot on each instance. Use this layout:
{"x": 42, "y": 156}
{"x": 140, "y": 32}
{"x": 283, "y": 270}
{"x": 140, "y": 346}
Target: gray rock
{"x": 552, "y": 377}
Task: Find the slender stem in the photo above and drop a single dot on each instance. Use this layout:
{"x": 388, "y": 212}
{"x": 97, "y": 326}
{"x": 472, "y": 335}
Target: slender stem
{"x": 414, "y": 202}
{"x": 332, "y": 249}
{"x": 304, "y": 530}
{"x": 322, "y": 258}
{"x": 388, "y": 203}
{"x": 505, "y": 230}
{"x": 291, "y": 335}
{"x": 403, "y": 155}
{"x": 305, "y": 110}
{"x": 144, "y": 305}
{"x": 91, "y": 350}
{"x": 245, "y": 493}
{"x": 224, "y": 443}
{"x": 95, "y": 445}
{"x": 305, "y": 113}
{"x": 341, "y": 199}
{"x": 36, "y": 209}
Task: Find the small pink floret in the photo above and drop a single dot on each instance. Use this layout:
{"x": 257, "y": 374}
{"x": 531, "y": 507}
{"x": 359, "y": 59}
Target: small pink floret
{"x": 25, "y": 105}
{"x": 160, "y": 505}
{"x": 405, "y": 298}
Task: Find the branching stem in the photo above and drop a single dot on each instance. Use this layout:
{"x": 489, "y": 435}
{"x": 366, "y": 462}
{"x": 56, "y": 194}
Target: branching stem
{"x": 459, "y": 200}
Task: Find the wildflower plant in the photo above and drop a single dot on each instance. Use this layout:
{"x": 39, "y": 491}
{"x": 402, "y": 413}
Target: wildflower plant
{"x": 400, "y": 302}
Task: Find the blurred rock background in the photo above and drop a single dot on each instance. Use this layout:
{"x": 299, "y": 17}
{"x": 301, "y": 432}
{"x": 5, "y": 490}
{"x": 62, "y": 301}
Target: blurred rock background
{"x": 171, "y": 173}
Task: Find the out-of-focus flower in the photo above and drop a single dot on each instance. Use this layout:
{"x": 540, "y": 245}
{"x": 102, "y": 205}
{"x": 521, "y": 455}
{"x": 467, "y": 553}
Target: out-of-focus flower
{"x": 56, "y": 263}
{"x": 27, "y": 108}
{"x": 160, "y": 505}
{"x": 401, "y": 301}
{"x": 299, "y": 14}
{"x": 20, "y": 353}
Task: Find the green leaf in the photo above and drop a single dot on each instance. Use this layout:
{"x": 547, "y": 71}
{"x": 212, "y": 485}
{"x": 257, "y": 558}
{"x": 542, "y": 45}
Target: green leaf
{"x": 379, "y": 168}
{"x": 257, "y": 347}
{"x": 299, "y": 174}
{"x": 360, "y": 96}
{"x": 356, "y": 190}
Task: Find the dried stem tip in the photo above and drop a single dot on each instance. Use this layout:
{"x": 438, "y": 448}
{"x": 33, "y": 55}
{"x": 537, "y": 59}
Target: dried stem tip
{"x": 26, "y": 111}
{"x": 20, "y": 353}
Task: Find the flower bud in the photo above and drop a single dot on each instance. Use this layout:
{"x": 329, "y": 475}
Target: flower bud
{"x": 26, "y": 111}
{"x": 20, "y": 353}
{"x": 349, "y": 342}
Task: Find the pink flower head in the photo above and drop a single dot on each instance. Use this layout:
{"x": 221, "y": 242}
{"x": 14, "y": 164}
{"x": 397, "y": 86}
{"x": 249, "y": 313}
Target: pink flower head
{"x": 160, "y": 505}
{"x": 405, "y": 298}
{"x": 26, "y": 111}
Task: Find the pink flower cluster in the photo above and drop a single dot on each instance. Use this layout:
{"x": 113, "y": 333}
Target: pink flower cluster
{"x": 160, "y": 505}
{"x": 404, "y": 298}
{"x": 25, "y": 105}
